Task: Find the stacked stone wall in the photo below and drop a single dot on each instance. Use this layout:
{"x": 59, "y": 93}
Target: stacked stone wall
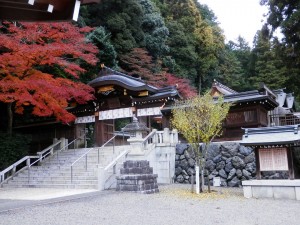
{"x": 230, "y": 161}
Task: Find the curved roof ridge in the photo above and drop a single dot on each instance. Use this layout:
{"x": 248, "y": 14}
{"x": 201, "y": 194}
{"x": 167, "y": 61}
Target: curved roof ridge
{"x": 218, "y": 84}
{"x": 115, "y": 72}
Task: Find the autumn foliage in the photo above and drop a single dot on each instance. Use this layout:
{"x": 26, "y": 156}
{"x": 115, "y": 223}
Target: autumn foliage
{"x": 139, "y": 62}
{"x": 183, "y": 85}
{"x": 40, "y": 67}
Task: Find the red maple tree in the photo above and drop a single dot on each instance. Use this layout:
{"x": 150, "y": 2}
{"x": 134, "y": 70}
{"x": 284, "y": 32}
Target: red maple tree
{"x": 139, "y": 63}
{"x": 183, "y": 85}
{"x": 40, "y": 68}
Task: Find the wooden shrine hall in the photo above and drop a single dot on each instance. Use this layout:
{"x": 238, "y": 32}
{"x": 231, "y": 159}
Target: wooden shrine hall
{"x": 118, "y": 98}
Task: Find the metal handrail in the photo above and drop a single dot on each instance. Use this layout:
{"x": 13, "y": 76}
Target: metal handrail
{"x": 48, "y": 148}
{"x": 41, "y": 156}
{"x": 86, "y": 153}
{"x": 115, "y": 161}
{"x": 65, "y": 146}
{"x": 103, "y": 172}
{"x": 13, "y": 167}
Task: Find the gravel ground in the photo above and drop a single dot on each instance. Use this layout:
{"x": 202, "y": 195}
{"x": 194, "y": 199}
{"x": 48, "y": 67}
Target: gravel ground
{"x": 174, "y": 205}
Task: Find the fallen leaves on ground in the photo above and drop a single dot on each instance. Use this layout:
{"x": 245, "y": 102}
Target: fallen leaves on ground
{"x": 214, "y": 194}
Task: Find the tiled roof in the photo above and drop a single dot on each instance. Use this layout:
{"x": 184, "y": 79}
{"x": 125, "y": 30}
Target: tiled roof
{"x": 109, "y": 76}
{"x": 271, "y": 135}
{"x": 223, "y": 88}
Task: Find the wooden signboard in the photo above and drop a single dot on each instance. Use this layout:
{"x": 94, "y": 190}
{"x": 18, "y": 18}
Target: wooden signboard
{"x": 273, "y": 159}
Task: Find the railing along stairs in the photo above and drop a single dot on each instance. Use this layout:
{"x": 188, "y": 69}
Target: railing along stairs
{"x": 106, "y": 175}
{"x": 19, "y": 166}
{"x": 85, "y": 155}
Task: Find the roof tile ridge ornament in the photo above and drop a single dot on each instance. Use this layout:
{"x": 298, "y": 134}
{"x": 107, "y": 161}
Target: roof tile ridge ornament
{"x": 217, "y": 83}
{"x": 267, "y": 91}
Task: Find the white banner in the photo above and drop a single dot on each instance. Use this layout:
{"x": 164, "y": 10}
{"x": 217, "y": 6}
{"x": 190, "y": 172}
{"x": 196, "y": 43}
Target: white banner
{"x": 85, "y": 119}
{"x": 155, "y": 111}
{"x": 115, "y": 114}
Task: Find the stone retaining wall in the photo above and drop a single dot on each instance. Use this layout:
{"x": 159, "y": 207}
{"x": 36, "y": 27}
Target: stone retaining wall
{"x": 230, "y": 161}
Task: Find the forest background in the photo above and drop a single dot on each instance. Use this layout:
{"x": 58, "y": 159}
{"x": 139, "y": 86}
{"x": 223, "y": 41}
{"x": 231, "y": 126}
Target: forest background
{"x": 162, "y": 41}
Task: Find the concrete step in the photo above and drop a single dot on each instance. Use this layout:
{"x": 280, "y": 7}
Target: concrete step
{"x": 67, "y": 186}
{"x": 50, "y": 182}
{"x": 62, "y": 173}
{"x": 55, "y": 171}
{"x": 58, "y": 178}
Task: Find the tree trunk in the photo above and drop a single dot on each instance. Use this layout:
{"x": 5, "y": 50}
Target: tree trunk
{"x": 10, "y": 118}
{"x": 200, "y": 85}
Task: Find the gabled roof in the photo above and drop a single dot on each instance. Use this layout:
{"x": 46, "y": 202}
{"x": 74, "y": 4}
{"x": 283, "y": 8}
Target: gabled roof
{"x": 271, "y": 135}
{"x": 109, "y": 76}
{"x": 260, "y": 96}
{"x": 221, "y": 88}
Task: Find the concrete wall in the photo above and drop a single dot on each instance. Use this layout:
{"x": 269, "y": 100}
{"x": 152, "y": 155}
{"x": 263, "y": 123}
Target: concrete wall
{"x": 277, "y": 189}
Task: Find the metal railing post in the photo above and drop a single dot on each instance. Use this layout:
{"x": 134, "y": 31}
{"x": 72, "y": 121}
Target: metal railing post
{"x": 98, "y": 156}
{"x": 28, "y": 174}
{"x": 71, "y": 174}
{"x": 86, "y": 162}
{"x": 114, "y": 146}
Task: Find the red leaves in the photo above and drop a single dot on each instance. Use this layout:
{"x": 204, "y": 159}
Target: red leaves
{"x": 183, "y": 85}
{"x": 139, "y": 62}
{"x": 26, "y": 49}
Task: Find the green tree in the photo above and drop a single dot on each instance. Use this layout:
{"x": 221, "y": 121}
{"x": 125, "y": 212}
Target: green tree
{"x": 268, "y": 67}
{"x": 235, "y": 65}
{"x": 199, "y": 119}
{"x": 123, "y": 19}
{"x": 284, "y": 16}
{"x": 230, "y": 70}
{"x": 107, "y": 53}
{"x": 156, "y": 33}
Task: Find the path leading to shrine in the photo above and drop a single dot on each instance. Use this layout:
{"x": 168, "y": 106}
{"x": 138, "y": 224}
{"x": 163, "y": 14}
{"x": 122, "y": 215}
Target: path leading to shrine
{"x": 174, "y": 205}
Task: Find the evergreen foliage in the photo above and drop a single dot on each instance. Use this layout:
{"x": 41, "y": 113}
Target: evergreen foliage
{"x": 12, "y": 148}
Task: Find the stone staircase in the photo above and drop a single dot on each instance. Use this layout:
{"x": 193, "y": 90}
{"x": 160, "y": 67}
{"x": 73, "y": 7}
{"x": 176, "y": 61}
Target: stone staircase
{"x": 55, "y": 172}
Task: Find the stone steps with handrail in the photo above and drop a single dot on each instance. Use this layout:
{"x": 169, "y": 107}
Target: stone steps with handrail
{"x": 55, "y": 170}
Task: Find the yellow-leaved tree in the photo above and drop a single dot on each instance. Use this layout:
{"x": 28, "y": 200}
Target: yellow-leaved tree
{"x": 200, "y": 120}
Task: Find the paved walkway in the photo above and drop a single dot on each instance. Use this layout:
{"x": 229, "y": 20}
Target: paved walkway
{"x": 11, "y": 198}
{"x": 173, "y": 205}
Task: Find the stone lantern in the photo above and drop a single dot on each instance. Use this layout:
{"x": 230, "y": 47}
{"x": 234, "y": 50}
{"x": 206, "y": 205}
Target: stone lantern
{"x": 136, "y": 130}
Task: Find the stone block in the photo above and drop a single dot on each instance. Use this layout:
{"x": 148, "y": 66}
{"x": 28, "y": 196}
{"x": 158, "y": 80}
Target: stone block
{"x": 137, "y": 176}
{"x": 297, "y": 192}
{"x": 247, "y": 191}
{"x": 262, "y": 192}
{"x": 284, "y": 192}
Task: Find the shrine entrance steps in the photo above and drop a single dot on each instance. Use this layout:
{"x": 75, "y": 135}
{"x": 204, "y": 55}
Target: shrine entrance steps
{"x": 55, "y": 172}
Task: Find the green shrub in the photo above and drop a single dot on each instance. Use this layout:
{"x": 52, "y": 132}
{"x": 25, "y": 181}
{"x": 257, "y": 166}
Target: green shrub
{"x": 12, "y": 148}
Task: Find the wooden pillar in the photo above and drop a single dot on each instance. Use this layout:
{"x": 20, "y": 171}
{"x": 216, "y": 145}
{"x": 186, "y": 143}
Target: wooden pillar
{"x": 98, "y": 131}
{"x": 258, "y": 173}
{"x": 290, "y": 163}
